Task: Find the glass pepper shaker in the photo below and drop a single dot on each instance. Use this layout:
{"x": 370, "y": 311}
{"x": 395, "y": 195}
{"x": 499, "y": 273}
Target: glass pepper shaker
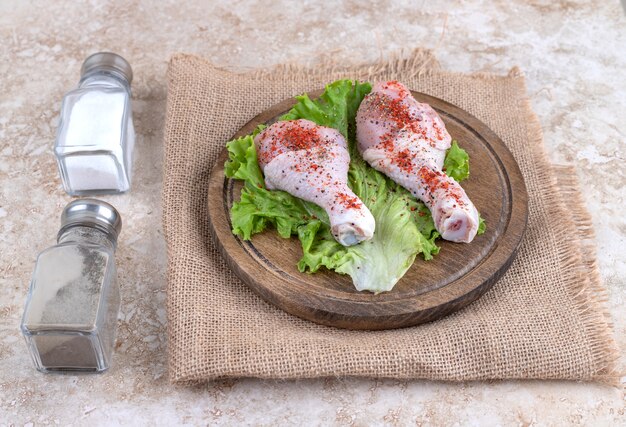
{"x": 71, "y": 310}
{"x": 96, "y": 137}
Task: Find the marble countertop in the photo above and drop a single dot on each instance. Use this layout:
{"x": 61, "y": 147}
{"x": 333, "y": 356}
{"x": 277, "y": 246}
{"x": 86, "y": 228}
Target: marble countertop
{"x": 573, "y": 55}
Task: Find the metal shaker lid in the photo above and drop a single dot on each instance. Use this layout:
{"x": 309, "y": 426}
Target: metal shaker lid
{"x": 107, "y": 61}
{"x": 92, "y": 213}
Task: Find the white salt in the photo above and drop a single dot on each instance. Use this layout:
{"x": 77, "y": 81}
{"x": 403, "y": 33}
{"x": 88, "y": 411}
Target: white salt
{"x": 96, "y": 119}
{"x": 92, "y": 172}
{"x": 92, "y": 138}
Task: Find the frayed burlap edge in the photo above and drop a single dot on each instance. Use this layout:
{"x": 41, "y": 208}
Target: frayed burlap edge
{"x": 582, "y": 275}
{"x": 412, "y": 63}
{"x": 592, "y": 297}
{"x": 416, "y": 62}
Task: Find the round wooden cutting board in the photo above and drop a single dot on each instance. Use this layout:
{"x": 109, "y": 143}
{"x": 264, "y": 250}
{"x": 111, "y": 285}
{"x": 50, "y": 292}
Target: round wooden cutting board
{"x": 459, "y": 275}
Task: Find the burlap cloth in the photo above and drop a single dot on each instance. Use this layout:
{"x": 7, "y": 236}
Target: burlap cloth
{"x": 544, "y": 319}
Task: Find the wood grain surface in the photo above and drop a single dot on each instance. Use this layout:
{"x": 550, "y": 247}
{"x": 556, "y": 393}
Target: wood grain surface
{"x": 459, "y": 275}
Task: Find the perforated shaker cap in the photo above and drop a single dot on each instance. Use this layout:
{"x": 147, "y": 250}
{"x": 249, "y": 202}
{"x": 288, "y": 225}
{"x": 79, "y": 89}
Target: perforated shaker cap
{"x": 107, "y": 61}
{"x": 92, "y": 213}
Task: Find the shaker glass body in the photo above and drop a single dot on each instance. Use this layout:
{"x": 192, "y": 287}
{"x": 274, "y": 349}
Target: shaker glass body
{"x": 95, "y": 138}
{"x": 71, "y": 311}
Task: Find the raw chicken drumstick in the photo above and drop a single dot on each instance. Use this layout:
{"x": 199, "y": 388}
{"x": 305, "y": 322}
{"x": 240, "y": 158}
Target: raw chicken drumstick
{"x": 311, "y": 162}
{"x": 407, "y": 141}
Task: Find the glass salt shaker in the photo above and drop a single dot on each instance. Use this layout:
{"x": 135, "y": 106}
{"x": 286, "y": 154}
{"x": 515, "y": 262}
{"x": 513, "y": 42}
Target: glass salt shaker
{"x": 96, "y": 137}
{"x": 71, "y": 310}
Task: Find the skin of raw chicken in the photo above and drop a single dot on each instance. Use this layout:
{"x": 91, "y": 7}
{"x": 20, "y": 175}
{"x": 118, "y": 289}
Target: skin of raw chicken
{"x": 407, "y": 141}
{"x": 311, "y": 162}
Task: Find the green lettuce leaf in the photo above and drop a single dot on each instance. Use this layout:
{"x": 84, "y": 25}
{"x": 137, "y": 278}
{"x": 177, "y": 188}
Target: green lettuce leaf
{"x": 456, "y": 163}
{"x": 404, "y": 226}
{"x": 482, "y": 225}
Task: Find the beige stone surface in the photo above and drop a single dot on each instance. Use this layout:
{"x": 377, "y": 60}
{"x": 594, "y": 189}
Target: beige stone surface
{"x": 572, "y": 51}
